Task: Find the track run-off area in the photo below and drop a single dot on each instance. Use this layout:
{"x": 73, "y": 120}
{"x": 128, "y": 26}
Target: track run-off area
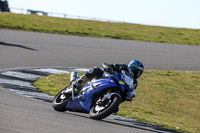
{"x": 25, "y": 56}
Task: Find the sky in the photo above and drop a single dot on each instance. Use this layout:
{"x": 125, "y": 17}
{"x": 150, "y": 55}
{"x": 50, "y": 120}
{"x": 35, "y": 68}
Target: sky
{"x": 168, "y": 13}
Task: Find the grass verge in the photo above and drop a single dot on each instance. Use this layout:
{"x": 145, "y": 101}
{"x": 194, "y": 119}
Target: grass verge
{"x": 167, "y": 98}
{"x": 100, "y": 29}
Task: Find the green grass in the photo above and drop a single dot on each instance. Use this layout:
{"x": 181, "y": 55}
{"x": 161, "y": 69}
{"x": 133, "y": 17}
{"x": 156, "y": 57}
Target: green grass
{"x": 170, "y": 99}
{"x": 100, "y": 29}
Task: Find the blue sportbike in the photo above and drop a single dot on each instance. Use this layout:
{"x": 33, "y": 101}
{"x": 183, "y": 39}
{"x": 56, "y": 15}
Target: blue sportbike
{"x": 99, "y": 98}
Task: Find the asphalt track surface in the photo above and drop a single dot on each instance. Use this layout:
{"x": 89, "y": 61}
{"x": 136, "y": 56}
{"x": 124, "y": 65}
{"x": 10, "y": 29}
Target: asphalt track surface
{"x": 20, "y": 49}
{"x": 28, "y": 49}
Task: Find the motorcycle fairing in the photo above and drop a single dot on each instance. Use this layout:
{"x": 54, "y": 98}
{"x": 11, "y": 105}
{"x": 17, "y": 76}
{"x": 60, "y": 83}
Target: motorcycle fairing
{"x": 82, "y": 102}
{"x": 119, "y": 80}
{"x": 75, "y": 105}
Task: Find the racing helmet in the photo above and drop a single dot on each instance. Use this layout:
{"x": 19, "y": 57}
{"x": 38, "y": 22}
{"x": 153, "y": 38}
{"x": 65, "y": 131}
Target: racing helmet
{"x": 135, "y": 68}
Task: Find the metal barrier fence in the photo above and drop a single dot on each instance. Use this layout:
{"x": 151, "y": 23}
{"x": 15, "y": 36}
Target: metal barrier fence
{"x": 54, "y": 14}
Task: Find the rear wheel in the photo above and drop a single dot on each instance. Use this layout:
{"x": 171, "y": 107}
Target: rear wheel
{"x": 103, "y": 108}
{"x": 61, "y": 99}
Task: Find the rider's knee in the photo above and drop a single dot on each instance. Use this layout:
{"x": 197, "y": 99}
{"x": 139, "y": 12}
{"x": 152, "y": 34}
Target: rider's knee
{"x": 95, "y": 72}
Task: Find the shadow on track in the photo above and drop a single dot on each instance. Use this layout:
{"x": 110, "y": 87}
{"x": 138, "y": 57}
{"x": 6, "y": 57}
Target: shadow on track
{"x": 140, "y": 126}
{"x": 16, "y": 45}
{"x": 135, "y": 125}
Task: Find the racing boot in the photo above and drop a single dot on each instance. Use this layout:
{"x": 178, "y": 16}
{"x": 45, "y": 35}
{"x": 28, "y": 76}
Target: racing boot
{"x": 80, "y": 82}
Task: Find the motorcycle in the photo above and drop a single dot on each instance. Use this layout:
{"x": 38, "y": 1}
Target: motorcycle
{"x": 99, "y": 98}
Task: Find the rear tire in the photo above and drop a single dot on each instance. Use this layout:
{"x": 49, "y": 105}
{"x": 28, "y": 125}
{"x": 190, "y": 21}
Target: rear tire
{"x": 60, "y": 100}
{"x": 97, "y": 113}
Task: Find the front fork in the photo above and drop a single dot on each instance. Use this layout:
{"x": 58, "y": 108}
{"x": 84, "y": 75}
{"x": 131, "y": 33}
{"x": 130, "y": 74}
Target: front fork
{"x": 73, "y": 84}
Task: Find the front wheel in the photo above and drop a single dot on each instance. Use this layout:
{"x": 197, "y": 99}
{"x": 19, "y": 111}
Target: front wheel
{"x": 61, "y": 99}
{"x": 102, "y": 109}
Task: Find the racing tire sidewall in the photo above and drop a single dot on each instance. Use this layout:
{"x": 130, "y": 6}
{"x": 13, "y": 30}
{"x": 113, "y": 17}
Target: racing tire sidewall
{"x": 109, "y": 110}
{"x": 61, "y": 107}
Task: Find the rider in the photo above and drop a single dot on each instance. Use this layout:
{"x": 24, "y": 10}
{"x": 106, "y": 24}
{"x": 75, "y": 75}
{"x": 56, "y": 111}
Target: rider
{"x": 135, "y": 68}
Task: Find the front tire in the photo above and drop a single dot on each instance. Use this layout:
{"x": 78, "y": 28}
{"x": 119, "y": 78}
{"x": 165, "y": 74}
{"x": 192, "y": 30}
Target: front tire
{"x": 102, "y": 110}
{"x": 61, "y": 99}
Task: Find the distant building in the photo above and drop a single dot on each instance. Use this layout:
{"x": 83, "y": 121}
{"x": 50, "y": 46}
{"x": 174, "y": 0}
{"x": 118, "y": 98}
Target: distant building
{"x": 4, "y": 6}
{"x": 37, "y": 12}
